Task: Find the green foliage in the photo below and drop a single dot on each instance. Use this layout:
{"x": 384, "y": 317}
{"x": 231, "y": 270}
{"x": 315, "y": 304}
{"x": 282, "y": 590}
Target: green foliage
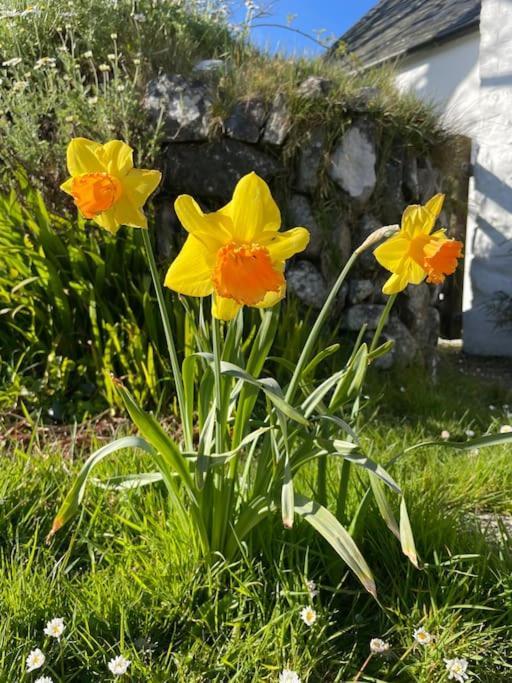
{"x": 75, "y": 307}
{"x": 129, "y": 579}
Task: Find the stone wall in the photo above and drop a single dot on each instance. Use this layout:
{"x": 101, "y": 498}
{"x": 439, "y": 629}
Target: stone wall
{"x": 341, "y": 189}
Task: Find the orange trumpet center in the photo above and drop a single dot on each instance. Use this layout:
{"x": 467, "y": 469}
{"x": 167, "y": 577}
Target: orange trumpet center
{"x": 244, "y": 272}
{"x": 95, "y": 192}
{"x": 441, "y": 259}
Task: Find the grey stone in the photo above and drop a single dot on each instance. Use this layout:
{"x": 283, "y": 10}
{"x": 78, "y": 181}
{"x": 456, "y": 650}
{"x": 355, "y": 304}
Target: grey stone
{"x": 429, "y": 179}
{"x": 405, "y": 348}
{"x": 364, "y": 98}
{"x": 314, "y": 87}
{"x": 344, "y": 242}
{"x": 420, "y": 317}
{"x": 310, "y": 159}
{"x": 367, "y": 262}
{"x": 337, "y": 250}
{"x": 359, "y": 291}
{"x": 213, "y": 169}
{"x": 184, "y": 104}
{"x": 209, "y": 66}
{"x": 352, "y": 164}
{"x": 411, "y": 180}
{"x": 306, "y": 282}
{"x": 167, "y": 227}
{"x": 246, "y": 121}
{"x": 360, "y": 314}
{"x": 279, "y": 122}
{"x": 300, "y": 214}
{"x": 393, "y": 202}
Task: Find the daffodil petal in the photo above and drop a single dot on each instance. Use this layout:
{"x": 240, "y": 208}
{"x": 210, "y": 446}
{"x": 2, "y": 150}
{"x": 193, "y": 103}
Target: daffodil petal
{"x": 208, "y": 228}
{"x": 139, "y": 183}
{"x": 252, "y": 209}
{"x": 126, "y": 213}
{"x": 82, "y": 157}
{"x": 417, "y": 220}
{"x": 415, "y": 273}
{"x": 108, "y": 221}
{"x": 224, "y": 309}
{"x": 117, "y": 156}
{"x": 272, "y": 298}
{"x": 435, "y": 205}
{"x": 396, "y": 283}
{"x": 283, "y": 245}
{"x": 67, "y": 186}
{"x": 392, "y": 252}
{"x": 191, "y": 271}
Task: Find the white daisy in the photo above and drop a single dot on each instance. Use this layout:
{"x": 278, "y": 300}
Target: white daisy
{"x": 14, "y": 61}
{"x": 422, "y": 637}
{"x": 308, "y": 616}
{"x": 288, "y": 676}
{"x": 457, "y": 669}
{"x": 119, "y": 665}
{"x": 104, "y": 67}
{"x": 113, "y": 36}
{"x": 445, "y": 435}
{"x": 44, "y": 679}
{"x": 470, "y": 433}
{"x": 54, "y": 628}
{"x": 378, "y": 646}
{"x": 505, "y": 429}
{"x": 312, "y": 589}
{"x": 35, "y": 660}
{"x": 88, "y": 54}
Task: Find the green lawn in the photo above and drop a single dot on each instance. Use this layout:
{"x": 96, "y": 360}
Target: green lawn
{"x": 128, "y": 581}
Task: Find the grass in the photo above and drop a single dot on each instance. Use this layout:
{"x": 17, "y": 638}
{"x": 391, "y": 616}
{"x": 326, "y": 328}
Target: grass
{"x": 127, "y": 579}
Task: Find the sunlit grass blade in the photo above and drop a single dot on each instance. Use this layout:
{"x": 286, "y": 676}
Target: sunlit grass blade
{"x": 406, "y": 535}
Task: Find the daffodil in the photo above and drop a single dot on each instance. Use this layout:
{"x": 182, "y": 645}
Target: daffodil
{"x": 236, "y": 253}
{"x": 105, "y": 186}
{"x": 415, "y": 252}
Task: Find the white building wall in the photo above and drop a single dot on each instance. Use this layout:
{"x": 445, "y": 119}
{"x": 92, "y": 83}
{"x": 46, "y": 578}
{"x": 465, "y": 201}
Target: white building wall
{"x": 448, "y": 76}
{"x": 489, "y": 232}
{"x": 470, "y": 79}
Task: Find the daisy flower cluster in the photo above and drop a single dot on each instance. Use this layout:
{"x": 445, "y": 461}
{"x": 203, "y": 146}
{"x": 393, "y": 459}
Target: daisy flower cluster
{"x": 54, "y": 628}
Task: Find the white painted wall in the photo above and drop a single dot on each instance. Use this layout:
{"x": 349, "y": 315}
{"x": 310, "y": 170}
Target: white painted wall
{"x": 470, "y": 80}
{"x": 489, "y": 231}
{"x": 448, "y": 76}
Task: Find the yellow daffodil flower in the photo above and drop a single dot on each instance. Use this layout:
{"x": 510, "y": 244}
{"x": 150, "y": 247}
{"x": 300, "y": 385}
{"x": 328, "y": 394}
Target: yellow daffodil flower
{"x": 415, "y": 252}
{"x": 105, "y": 186}
{"x": 236, "y": 253}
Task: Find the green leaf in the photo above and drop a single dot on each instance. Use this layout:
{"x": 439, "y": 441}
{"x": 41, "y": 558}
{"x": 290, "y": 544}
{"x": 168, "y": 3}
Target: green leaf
{"x": 337, "y": 536}
{"x": 478, "y": 442}
{"x": 384, "y": 506}
{"x": 128, "y": 481}
{"x": 406, "y": 535}
{"x": 347, "y": 449}
{"x": 74, "y": 498}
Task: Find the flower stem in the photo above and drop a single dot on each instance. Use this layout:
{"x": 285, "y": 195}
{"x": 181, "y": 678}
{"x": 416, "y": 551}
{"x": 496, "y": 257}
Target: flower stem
{"x": 313, "y": 335}
{"x": 171, "y": 346}
{"x": 382, "y": 321}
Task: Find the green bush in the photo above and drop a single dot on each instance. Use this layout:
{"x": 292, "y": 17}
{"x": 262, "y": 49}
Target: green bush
{"x": 75, "y": 307}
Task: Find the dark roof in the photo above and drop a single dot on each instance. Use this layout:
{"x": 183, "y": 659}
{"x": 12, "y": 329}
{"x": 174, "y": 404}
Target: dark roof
{"x": 397, "y": 27}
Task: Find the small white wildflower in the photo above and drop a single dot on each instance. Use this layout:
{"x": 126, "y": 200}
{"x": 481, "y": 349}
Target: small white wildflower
{"x": 422, "y": 637}
{"x": 120, "y": 88}
{"x": 69, "y": 119}
{"x": 312, "y": 589}
{"x": 491, "y": 407}
{"x": 62, "y": 48}
{"x": 402, "y": 389}
{"x": 104, "y": 67}
{"x": 66, "y": 77}
{"x": 14, "y": 61}
{"x": 136, "y": 61}
{"x": 44, "y": 679}
{"x": 88, "y": 54}
{"x": 457, "y": 669}
{"x": 35, "y": 660}
{"x": 289, "y": 676}
{"x": 445, "y": 435}
{"x": 378, "y": 646}
{"x": 119, "y": 665}
{"x": 19, "y": 86}
{"x": 505, "y": 429}
{"x": 68, "y": 27}
{"x": 470, "y": 433}
{"x": 55, "y": 627}
{"x": 113, "y": 36}
{"x": 111, "y": 56}
{"x": 92, "y": 100}
{"x": 308, "y": 616}
{"x": 139, "y": 17}
{"x": 50, "y": 62}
